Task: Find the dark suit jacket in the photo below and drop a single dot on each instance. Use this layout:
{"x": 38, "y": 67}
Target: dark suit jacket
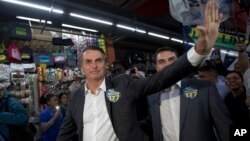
{"x": 198, "y": 116}
{"x": 123, "y": 112}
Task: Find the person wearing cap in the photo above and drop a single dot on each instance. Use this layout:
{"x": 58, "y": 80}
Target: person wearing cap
{"x": 12, "y": 112}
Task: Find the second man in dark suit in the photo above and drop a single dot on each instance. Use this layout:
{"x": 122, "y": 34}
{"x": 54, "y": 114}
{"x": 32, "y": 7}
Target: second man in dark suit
{"x": 188, "y": 110}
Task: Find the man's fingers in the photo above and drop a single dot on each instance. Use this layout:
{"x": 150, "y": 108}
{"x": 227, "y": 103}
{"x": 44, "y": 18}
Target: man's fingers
{"x": 216, "y": 12}
{"x": 202, "y": 31}
{"x": 208, "y": 12}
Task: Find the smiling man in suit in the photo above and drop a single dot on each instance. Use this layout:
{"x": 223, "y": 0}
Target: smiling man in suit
{"x": 188, "y": 110}
{"x": 104, "y": 109}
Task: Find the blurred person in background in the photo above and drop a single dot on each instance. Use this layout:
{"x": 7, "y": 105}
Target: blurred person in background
{"x": 117, "y": 68}
{"x": 51, "y": 118}
{"x": 12, "y": 112}
{"x": 235, "y": 100}
{"x": 63, "y": 102}
{"x": 208, "y": 72}
{"x": 78, "y": 79}
{"x": 243, "y": 63}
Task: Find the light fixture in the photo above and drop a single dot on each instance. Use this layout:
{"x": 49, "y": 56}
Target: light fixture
{"x": 140, "y": 30}
{"x": 91, "y": 19}
{"x": 125, "y": 27}
{"x": 130, "y": 28}
{"x": 192, "y": 44}
{"x": 34, "y": 6}
{"x": 48, "y": 22}
{"x": 158, "y": 35}
{"x": 32, "y": 19}
{"x": 176, "y": 40}
{"x": 28, "y": 19}
{"x": 80, "y": 28}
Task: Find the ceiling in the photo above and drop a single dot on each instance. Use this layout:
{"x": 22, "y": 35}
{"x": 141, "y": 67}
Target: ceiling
{"x": 147, "y": 14}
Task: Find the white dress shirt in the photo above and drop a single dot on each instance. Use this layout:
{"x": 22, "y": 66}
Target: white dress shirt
{"x": 96, "y": 120}
{"x": 170, "y": 113}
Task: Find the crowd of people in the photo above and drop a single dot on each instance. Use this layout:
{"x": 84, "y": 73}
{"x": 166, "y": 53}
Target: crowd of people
{"x": 189, "y": 98}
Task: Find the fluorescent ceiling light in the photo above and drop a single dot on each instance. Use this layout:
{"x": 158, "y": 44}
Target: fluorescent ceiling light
{"x": 80, "y": 28}
{"x": 91, "y": 19}
{"x": 33, "y": 20}
{"x": 34, "y": 6}
{"x": 48, "y": 22}
{"x": 28, "y": 19}
{"x": 158, "y": 35}
{"x": 192, "y": 44}
{"x": 131, "y": 28}
{"x": 177, "y": 40}
{"x": 125, "y": 27}
{"x": 140, "y": 31}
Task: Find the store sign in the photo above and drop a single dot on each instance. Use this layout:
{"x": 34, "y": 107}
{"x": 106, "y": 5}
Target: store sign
{"x": 224, "y": 40}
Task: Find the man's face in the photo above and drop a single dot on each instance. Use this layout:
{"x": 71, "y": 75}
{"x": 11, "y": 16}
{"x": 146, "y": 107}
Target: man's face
{"x": 165, "y": 58}
{"x": 53, "y": 102}
{"x": 64, "y": 99}
{"x": 233, "y": 81}
{"x": 93, "y": 65}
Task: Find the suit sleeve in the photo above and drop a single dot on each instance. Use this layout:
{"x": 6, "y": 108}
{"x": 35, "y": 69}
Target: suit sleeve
{"x": 219, "y": 113}
{"x": 163, "y": 79}
{"x": 68, "y": 128}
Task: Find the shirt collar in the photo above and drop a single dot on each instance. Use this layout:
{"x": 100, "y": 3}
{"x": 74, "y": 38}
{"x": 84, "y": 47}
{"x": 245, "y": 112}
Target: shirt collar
{"x": 101, "y": 87}
{"x": 179, "y": 84}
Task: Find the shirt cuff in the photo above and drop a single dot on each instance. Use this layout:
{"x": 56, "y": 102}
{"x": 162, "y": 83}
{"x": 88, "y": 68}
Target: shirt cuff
{"x": 194, "y": 58}
{"x": 246, "y": 78}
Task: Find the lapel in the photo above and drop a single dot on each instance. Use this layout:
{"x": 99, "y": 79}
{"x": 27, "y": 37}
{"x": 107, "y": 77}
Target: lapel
{"x": 157, "y": 116}
{"x": 184, "y": 102}
{"x": 108, "y": 103}
{"x": 81, "y": 103}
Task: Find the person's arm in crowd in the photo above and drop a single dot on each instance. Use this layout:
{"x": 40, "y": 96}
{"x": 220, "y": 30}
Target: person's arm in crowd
{"x": 47, "y": 125}
{"x": 16, "y": 114}
{"x": 221, "y": 69}
{"x": 245, "y": 66}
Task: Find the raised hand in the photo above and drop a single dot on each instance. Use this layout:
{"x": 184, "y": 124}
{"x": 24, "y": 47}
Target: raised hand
{"x": 210, "y": 29}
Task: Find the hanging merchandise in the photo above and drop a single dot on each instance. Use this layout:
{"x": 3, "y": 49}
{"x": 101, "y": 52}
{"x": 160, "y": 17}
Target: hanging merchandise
{"x": 71, "y": 57}
{"x": 43, "y": 58}
{"x": 3, "y": 53}
{"x": 59, "y": 58}
{"x": 20, "y": 31}
{"x": 101, "y": 43}
{"x": 191, "y": 12}
{"x": 27, "y": 54}
{"x": 14, "y": 53}
{"x": 4, "y": 72}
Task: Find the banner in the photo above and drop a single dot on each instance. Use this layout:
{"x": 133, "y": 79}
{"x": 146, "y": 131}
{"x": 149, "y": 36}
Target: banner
{"x": 224, "y": 40}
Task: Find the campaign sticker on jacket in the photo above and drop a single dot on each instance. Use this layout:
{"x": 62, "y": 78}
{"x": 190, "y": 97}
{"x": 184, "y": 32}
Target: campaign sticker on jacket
{"x": 190, "y": 92}
{"x": 113, "y": 95}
